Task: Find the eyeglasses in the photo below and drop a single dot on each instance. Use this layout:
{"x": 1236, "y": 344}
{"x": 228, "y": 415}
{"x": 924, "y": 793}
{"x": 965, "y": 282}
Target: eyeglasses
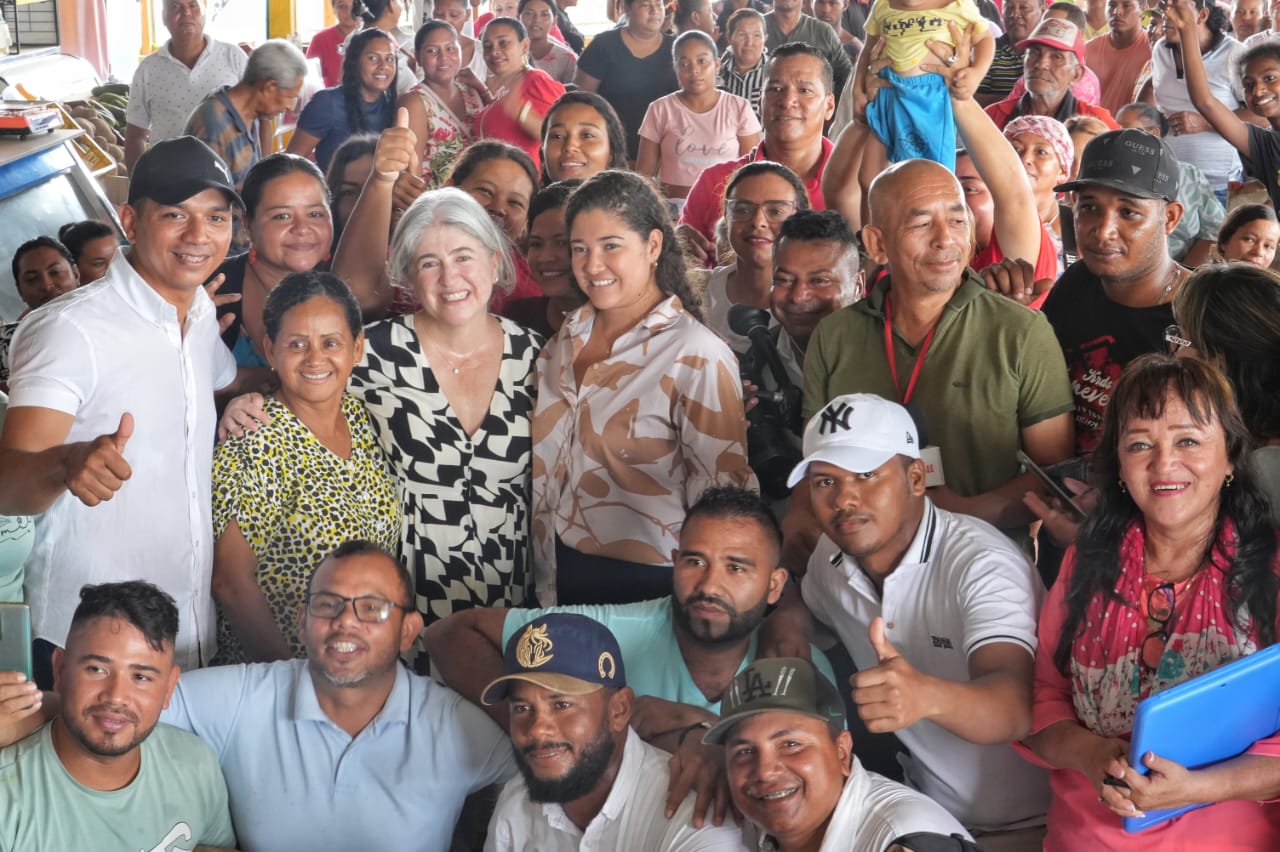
{"x": 1160, "y": 607}
{"x": 368, "y": 608}
{"x": 1173, "y": 337}
{"x": 774, "y": 211}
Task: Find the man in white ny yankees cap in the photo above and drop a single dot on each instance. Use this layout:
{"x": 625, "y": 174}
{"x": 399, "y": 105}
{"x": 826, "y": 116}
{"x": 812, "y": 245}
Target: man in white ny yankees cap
{"x": 938, "y": 612}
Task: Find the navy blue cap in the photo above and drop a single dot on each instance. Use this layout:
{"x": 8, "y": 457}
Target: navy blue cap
{"x": 568, "y": 653}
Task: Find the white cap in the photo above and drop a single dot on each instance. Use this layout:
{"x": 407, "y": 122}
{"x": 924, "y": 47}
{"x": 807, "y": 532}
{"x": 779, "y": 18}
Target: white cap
{"x": 857, "y": 432}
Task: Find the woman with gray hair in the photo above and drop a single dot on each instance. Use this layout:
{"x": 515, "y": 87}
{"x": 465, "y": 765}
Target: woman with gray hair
{"x": 450, "y": 390}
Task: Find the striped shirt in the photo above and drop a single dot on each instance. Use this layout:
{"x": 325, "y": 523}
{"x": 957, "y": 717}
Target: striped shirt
{"x": 216, "y": 122}
{"x": 1006, "y": 68}
{"x": 749, "y": 84}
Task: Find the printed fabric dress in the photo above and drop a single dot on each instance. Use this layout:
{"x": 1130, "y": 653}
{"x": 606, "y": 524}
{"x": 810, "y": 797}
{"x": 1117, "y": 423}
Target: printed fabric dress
{"x": 465, "y": 498}
{"x": 295, "y": 501}
{"x": 450, "y": 133}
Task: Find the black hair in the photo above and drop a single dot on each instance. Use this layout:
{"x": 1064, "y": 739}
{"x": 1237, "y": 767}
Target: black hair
{"x": 514, "y": 23}
{"x": 268, "y": 169}
{"x": 364, "y": 547}
{"x": 1241, "y": 216}
{"x": 427, "y": 29}
{"x": 734, "y": 501}
{"x": 139, "y": 603}
{"x": 490, "y": 149}
{"x": 1231, "y": 313}
{"x": 75, "y": 235}
{"x": 1266, "y": 49}
{"x": 1143, "y": 390}
{"x": 369, "y": 10}
{"x": 818, "y": 225}
{"x": 551, "y": 196}
{"x": 612, "y": 126}
{"x": 769, "y": 167}
{"x": 555, "y": 10}
{"x": 1150, "y": 115}
{"x": 799, "y": 48}
{"x": 694, "y": 35}
{"x": 298, "y": 288}
{"x": 635, "y": 201}
{"x": 684, "y": 12}
{"x": 39, "y": 243}
{"x": 350, "y": 85}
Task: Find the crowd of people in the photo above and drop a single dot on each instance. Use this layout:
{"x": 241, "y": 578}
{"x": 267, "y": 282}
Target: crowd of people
{"x": 645, "y": 424}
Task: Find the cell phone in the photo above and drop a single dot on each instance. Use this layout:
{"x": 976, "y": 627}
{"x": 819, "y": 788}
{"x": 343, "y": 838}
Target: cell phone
{"x": 15, "y": 638}
{"x": 1055, "y": 475}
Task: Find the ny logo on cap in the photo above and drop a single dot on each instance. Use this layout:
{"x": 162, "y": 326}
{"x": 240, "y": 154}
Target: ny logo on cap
{"x": 534, "y": 648}
{"x": 835, "y": 417}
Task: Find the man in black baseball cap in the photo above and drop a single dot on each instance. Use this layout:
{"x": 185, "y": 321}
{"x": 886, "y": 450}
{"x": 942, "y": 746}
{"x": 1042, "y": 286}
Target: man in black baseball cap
{"x": 791, "y": 767}
{"x": 111, "y": 416}
{"x": 586, "y": 777}
{"x": 1115, "y": 303}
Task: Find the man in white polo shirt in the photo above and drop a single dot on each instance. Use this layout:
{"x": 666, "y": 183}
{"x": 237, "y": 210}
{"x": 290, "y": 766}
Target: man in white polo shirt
{"x": 937, "y": 610}
{"x": 170, "y": 82}
{"x": 110, "y": 428}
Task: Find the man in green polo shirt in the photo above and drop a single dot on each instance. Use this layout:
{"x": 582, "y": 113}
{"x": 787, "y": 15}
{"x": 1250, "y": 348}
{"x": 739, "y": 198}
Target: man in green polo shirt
{"x": 983, "y": 376}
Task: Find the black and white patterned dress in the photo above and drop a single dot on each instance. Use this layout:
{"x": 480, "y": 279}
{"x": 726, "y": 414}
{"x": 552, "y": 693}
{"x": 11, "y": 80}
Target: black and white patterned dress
{"x": 465, "y": 535}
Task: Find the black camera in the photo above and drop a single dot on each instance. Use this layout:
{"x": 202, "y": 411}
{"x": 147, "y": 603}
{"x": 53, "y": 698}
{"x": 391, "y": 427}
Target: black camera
{"x": 774, "y": 425}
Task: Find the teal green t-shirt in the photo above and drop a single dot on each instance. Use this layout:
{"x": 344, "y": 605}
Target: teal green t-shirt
{"x": 650, "y": 654}
{"x": 177, "y": 801}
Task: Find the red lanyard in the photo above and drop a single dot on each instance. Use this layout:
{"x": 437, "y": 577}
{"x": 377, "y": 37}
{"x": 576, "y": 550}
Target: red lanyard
{"x": 888, "y": 353}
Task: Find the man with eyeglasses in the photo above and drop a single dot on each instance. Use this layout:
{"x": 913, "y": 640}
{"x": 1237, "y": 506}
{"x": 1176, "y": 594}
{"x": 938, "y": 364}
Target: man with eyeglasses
{"x": 346, "y": 749}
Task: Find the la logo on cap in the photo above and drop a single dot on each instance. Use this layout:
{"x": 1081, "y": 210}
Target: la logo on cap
{"x": 534, "y": 649}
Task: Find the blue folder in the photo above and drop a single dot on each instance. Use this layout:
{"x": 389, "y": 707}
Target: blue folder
{"x": 1208, "y": 719}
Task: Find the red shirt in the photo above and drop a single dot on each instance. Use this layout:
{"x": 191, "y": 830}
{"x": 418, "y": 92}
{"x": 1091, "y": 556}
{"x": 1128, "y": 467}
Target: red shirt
{"x": 1046, "y": 261}
{"x": 705, "y": 204}
{"x": 1002, "y": 112}
{"x": 324, "y": 45}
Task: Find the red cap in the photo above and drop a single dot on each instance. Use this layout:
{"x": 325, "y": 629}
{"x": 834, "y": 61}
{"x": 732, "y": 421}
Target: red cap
{"x": 1056, "y": 33}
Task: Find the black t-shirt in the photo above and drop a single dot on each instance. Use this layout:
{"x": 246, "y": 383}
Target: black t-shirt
{"x": 1098, "y": 338}
{"x": 1263, "y": 161}
{"x": 627, "y": 83}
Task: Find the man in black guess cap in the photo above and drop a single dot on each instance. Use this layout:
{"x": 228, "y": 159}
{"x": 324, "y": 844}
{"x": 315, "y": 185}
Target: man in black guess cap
{"x": 1114, "y": 303}
{"x": 587, "y": 780}
{"x": 792, "y": 772}
{"x": 111, "y": 390}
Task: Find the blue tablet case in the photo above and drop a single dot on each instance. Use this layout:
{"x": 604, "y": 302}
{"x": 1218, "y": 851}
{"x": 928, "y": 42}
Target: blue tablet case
{"x": 1208, "y": 719}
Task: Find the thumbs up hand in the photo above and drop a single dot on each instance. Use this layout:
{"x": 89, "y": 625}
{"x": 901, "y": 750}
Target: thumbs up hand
{"x": 891, "y": 695}
{"x": 397, "y": 149}
{"x": 95, "y": 470}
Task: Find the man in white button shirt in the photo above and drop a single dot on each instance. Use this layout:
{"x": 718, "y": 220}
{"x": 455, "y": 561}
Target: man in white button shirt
{"x": 109, "y": 433}
{"x": 170, "y": 82}
{"x": 587, "y": 780}
{"x": 792, "y": 772}
{"x": 937, "y": 610}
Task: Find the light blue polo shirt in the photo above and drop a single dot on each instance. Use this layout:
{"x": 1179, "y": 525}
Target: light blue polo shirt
{"x": 646, "y": 636}
{"x": 299, "y": 782}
